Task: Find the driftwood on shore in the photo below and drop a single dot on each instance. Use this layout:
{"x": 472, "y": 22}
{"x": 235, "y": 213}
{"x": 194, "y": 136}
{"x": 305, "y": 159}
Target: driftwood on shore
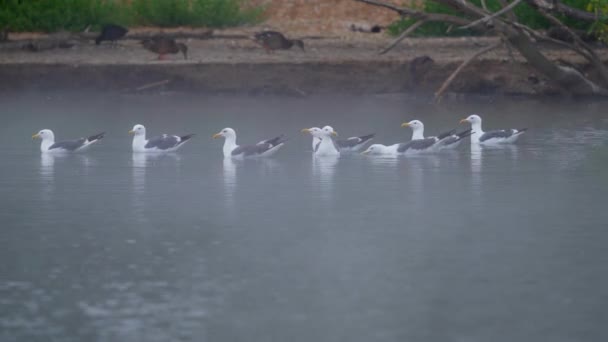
{"x": 70, "y": 39}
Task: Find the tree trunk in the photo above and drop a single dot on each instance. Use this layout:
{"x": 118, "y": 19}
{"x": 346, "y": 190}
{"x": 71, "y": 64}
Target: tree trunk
{"x": 567, "y": 78}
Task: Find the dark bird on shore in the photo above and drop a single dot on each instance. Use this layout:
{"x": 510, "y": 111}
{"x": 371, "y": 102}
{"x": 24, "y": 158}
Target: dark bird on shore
{"x": 366, "y": 29}
{"x": 111, "y": 33}
{"x": 272, "y": 40}
{"x": 163, "y": 46}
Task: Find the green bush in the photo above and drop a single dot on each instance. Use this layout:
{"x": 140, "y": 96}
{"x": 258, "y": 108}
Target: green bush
{"x": 525, "y": 14}
{"x": 209, "y": 13}
{"x": 75, "y": 15}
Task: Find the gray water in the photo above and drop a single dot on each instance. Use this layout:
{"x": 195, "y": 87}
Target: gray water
{"x": 500, "y": 244}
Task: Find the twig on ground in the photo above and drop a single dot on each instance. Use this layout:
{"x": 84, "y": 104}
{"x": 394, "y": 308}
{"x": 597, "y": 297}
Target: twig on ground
{"x": 152, "y": 85}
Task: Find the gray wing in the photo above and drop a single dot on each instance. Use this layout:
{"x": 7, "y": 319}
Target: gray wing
{"x": 417, "y": 145}
{"x": 164, "y": 142}
{"x": 503, "y": 133}
{"x": 350, "y": 142}
{"x": 354, "y": 141}
{"x": 274, "y": 141}
{"x": 70, "y": 145}
{"x": 445, "y": 134}
{"x": 251, "y": 150}
{"x": 450, "y": 140}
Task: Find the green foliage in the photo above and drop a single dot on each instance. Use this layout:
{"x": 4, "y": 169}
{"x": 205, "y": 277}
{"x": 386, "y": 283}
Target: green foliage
{"x": 525, "y": 14}
{"x": 75, "y": 15}
{"x": 600, "y": 27}
{"x": 209, "y": 13}
{"x": 52, "y": 15}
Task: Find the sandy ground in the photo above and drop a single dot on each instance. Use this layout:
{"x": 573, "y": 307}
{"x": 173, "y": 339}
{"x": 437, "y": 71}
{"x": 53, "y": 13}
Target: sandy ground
{"x": 357, "y": 47}
{"x": 349, "y": 62}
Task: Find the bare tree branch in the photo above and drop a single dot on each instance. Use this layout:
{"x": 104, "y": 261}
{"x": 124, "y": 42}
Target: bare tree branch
{"x": 556, "y": 6}
{"x": 563, "y": 44}
{"x": 402, "y": 36}
{"x": 401, "y": 10}
{"x": 484, "y": 5}
{"x": 414, "y": 14}
{"x": 486, "y": 19}
{"x": 510, "y": 14}
{"x": 516, "y": 35}
{"x": 449, "y": 80}
{"x": 595, "y": 59}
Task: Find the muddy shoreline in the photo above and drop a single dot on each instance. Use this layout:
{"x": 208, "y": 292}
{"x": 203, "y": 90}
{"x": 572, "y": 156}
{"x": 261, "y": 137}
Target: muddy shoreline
{"x": 333, "y": 65}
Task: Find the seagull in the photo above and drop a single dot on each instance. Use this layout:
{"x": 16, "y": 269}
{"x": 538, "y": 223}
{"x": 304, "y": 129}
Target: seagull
{"x": 264, "y": 148}
{"x": 323, "y": 142}
{"x": 502, "y": 136}
{"x": 444, "y": 140}
{"x": 316, "y": 135}
{"x": 352, "y": 144}
{"x": 163, "y": 143}
{"x": 48, "y": 143}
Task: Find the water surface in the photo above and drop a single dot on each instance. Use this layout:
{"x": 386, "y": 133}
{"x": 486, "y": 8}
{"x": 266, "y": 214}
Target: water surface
{"x": 499, "y": 244}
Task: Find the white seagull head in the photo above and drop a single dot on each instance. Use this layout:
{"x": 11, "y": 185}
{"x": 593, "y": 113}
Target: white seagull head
{"x": 225, "y": 133}
{"x": 314, "y": 131}
{"x": 328, "y": 131}
{"x": 45, "y": 134}
{"x": 375, "y": 149}
{"x": 472, "y": 119}
{"x": 415, "y": 125}
{"x": 138, "y": 130}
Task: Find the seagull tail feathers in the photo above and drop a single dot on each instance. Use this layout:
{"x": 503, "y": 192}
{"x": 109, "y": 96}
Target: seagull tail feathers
{"x": 445, "y": 134}
{"x": 278, "y": 140}
{"x": 367, "y": 137}
{"x": 464, "y": 134}
{"x": 185, "y": 138}
{"x": 96, "y": 137}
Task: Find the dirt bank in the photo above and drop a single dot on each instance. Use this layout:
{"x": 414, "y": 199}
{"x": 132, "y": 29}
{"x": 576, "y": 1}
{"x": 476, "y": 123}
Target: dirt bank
{"x": 332, "y": 64}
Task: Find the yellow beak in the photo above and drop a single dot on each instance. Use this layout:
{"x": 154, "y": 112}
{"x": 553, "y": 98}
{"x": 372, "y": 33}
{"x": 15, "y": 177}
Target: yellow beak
{"x": 334, "y": 133}
{"x": 35, "y": 136}
{"x": 131, "y": 132}
{"x": 405, "y": 124}
{"x": 463, "y": 121}
{"x": 305, "y": 130}
{"x": 216, "y": 135}
{"x": 365, "y": 152}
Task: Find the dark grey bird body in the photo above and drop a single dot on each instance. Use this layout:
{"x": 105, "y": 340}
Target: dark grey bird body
{"x": 501, "y": 133}
{"x": 73, "y": 145}
{"x": 417, "y": 145}
{"x": 163, "y": 46}
{"x": 166, "y": 142}
{"x": 111, "y": 33}
{"x": 354, "y": 143}
{"x": 259, "y": 148}
{"x": 444, "y": 135}
{"x": 452, "y": 139}
{"x": 273, "y": 40}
